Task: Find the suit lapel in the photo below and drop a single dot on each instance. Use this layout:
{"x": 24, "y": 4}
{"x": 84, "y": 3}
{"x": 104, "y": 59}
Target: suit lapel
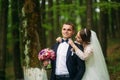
{"x": 56, "y": 47}
{"x": 68, "y": 52}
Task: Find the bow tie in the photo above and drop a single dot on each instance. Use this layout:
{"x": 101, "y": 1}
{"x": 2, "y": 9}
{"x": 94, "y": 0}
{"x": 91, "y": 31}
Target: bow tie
{"x": 65, "y": 40}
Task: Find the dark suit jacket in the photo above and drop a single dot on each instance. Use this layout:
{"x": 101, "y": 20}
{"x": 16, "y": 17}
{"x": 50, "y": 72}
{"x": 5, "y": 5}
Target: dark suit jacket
{"x": 76, "y": 66}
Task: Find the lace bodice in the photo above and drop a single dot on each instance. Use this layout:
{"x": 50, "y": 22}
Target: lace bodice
{"x": 88, "y": 51}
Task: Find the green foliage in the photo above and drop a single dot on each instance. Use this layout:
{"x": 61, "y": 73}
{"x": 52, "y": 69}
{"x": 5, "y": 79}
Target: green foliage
{"x": 68, "y": 7}
{"x": 67, "y": 12}
{"x": 47, "y": 26}
{"x": 107, "y": 5}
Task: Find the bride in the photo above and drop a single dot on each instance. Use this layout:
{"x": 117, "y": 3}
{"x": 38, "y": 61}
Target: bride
{"x": 96, "y": 68}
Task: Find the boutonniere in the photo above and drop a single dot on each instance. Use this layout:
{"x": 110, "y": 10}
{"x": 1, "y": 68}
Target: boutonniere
{"x": 73, "y": 51}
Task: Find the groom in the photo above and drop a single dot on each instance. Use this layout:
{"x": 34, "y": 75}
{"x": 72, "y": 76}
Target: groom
{"x": 67, "y": 65}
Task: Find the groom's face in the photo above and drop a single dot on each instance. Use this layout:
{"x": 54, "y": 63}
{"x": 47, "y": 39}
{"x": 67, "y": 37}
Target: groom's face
{"x": 67, "y": 31}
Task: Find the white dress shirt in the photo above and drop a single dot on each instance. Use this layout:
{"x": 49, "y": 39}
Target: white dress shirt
{"x": 61, "y": 67}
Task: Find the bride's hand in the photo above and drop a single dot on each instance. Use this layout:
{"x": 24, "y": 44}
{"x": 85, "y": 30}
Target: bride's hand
{"x": 70, "y": 41}
{"x": 59, "y": 39}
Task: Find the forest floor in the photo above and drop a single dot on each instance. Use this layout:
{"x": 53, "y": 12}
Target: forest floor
{"x": 113, "y": 61}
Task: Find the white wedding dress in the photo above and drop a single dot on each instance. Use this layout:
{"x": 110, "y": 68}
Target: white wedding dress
{"x": 96, "y": 68}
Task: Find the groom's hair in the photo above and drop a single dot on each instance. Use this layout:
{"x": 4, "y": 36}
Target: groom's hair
{"x": 71, "y": 24}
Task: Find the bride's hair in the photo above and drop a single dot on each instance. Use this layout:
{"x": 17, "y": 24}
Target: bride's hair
{"x": 85, "y": 35}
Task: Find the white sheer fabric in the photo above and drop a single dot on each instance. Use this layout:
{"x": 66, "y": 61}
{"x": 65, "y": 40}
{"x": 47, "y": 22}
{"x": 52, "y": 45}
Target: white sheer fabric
{"x": 35, "y": 74}
{"x": 88, "y": 51}
{"x": 96, "y": 68}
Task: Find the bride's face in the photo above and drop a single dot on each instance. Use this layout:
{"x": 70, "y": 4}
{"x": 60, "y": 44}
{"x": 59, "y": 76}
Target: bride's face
{"x": 78, "y": 38}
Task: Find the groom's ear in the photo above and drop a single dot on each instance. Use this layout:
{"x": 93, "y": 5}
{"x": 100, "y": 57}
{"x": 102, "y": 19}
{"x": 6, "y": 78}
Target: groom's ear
{"x": 73, "y": 32}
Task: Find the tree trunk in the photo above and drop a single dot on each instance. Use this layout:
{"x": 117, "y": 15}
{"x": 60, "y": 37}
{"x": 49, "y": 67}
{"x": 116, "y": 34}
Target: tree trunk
{"x": 43, "y": 30}
{"x": 50, "y": 19}
{"x": 96, "y": 19}
{"x": 3, "y": 35}
{"x": 89, "y": 14}
{"x": 102, "y": 32}
{"x": 115, "y": 20}
{"x": 31, "y": 26}
{"x": 82, "y": 16}
{"x": 57, "y": 17}
{"x": 58, "y": 10}
{"x": 16, "y": 44}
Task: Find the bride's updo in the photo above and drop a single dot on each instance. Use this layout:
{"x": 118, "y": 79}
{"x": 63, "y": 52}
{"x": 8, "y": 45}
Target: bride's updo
{"x": 85, "y": 35}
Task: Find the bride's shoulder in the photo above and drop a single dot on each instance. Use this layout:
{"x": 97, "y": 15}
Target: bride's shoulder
{"x": 89, "y": 46}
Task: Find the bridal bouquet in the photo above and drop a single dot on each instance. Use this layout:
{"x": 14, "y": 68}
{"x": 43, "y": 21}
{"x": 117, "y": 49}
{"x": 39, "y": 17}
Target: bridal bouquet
{"x": 46, "y": 54}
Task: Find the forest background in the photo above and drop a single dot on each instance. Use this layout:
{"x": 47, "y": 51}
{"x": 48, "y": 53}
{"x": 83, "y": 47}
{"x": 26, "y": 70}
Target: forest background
{"x": 27, "y": 26}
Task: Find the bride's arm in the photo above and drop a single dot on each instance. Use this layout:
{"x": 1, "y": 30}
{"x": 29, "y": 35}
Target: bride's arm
{"x": 82, "y": 55}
